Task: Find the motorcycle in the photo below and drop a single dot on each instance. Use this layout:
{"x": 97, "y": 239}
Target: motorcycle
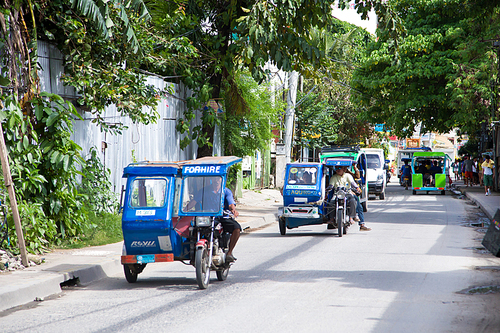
{"x": 406, "y": 182}
{"x": 337, "y": 209}
{"x": 308, "y": 200}
{"x": 212, "y": 245}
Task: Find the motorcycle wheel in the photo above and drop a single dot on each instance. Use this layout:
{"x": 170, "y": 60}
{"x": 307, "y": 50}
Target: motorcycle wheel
{"x": 130, "y": 273}
{"x": 282, "y": 224}
{"x": 222, "y": 275}
{"x": 340, "y": 222}
{"x": 202, "y": 268}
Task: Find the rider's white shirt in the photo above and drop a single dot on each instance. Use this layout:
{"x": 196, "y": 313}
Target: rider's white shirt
{"x": 345, "y": 180}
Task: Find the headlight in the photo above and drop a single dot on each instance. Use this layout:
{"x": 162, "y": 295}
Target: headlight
{"x": 203, "y": 221}
{"x": 341, "y": 194}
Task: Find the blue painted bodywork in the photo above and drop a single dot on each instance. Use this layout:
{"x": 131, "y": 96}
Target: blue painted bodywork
{"x": 149, "y": 229}
{"x": 303, "y": 197}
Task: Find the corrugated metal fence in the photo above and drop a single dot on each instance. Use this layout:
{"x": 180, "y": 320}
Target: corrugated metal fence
{"x": 154, "y": 142}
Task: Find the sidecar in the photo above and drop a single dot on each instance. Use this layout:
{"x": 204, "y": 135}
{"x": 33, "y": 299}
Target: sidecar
{"x": 156, "y": 227}
{"x": 304, "y": 194}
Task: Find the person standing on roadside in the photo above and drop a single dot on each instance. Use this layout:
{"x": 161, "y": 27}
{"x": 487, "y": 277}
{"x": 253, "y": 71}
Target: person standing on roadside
{"x": 456, "y": 168}
{"x": 475, "y": 172}
{"x": 488, "y": 166}
{"x": 468, "y": 171}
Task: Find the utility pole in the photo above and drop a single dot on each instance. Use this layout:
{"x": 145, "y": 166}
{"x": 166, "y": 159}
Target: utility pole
{"x": 4, "y": 159}
{"x": 290, "y": 114}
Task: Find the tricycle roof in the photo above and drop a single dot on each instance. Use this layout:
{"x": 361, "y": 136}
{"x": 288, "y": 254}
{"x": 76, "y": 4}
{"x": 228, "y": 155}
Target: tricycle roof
{"x": 148, "y": 168}
{"x": 303, "y": 164}
{"x": 435, "y": 154}
{"x": 351, "y": 152}
{"x": 209, "y": 165}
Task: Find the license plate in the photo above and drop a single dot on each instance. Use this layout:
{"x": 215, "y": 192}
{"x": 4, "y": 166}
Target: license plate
{"x": 145, "y": 212}
{"x": 145, "y": 258}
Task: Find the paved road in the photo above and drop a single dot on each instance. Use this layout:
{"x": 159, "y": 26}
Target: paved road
{"x": 403, "y": 276}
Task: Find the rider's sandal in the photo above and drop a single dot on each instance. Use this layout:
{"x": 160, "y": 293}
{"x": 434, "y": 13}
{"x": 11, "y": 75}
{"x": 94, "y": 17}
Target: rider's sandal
{"x": 230, "y": 258}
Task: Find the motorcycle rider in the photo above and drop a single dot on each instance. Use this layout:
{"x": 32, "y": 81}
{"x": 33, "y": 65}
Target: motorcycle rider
{"x": 227, "y": 220}
{"x": 343, "y": 179}
{"x": 406, "y": 173}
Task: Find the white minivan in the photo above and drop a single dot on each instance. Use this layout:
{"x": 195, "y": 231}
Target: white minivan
{"x": 376, "y": 171}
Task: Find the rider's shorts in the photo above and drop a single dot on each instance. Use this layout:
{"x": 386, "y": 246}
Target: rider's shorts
{"x": 230, "y": 224}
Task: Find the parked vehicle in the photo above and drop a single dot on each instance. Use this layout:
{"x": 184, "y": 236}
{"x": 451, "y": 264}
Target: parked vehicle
{"x": 376, "y": 171}
{"x": 160, "y": 224}
{"x": 309, "y": 200}
{"x": 429, "y": 170}
{"x": 354, "y": 154}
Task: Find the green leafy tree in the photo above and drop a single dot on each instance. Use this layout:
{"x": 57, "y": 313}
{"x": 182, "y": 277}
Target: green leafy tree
{"x": 325, "y": 113}
{"x": 243, "y": 134}
{"x": 439, "y": 74}
{"x": 45, "y": 162}
{"x": 232, "y": 35}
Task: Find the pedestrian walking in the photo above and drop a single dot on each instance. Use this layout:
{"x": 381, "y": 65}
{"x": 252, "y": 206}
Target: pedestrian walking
{"x": 488, "y": 166}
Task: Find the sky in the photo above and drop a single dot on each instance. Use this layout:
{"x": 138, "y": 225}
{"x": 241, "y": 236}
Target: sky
{"x": 350, "y": 15}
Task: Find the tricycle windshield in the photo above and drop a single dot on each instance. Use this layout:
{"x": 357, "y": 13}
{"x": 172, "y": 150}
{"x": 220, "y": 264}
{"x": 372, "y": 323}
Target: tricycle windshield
{"x": 148, "y": 192}
{"x": 302, "y": 175}
{"x": 202, "y": 194}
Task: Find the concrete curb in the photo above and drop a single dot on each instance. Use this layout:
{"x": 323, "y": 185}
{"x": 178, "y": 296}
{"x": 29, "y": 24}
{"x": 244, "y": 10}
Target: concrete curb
{"x": 36, "y": 283}
{"x": 478, "y": 203}
{"x": 28, "y": 289}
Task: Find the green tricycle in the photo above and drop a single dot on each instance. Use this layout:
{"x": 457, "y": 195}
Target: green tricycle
{"x": 429, "y": 171}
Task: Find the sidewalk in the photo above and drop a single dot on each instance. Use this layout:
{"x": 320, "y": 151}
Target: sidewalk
{"x": 94, "y": 263}
{"x": 489, "y": 204}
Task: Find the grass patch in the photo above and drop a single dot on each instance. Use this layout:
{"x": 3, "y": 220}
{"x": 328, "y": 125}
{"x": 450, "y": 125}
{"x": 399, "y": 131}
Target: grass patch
{"x": 105, "y": 228}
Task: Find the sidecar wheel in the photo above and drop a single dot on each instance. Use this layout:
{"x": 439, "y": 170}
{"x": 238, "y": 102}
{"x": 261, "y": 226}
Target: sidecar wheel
{"x": 282, "y": 224}
{"x": 340, "y": 223}
{"x": 202, "y": 268}
{"x": 222, "y": 275}
{"x": 130, "y": 273}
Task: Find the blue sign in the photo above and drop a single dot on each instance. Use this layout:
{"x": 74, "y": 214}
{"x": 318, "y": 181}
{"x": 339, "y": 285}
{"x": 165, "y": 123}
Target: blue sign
{"x": 338, "y": 162}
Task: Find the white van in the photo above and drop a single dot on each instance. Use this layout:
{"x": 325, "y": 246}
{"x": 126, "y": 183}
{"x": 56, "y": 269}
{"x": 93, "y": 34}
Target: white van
{"x": 376, "y": 171}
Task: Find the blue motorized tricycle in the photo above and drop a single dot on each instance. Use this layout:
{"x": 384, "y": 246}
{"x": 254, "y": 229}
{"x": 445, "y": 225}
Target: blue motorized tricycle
{"x": 171, "y": 212}
{"x": 308, "y": 199}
